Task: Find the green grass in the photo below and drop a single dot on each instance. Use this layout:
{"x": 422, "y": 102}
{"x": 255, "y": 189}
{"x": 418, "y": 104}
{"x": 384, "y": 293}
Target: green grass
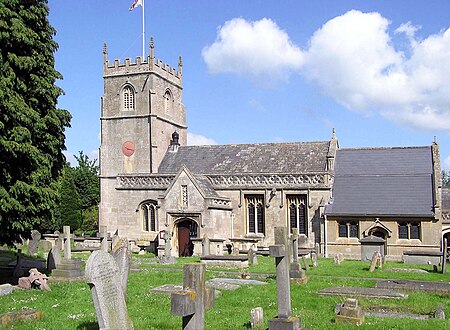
{"x": 69, "y": 305}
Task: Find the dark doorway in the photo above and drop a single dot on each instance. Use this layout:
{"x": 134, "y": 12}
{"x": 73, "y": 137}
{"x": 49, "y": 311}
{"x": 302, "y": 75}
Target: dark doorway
{"x": 380, "y": 232}
{"x": 187, "y": 229}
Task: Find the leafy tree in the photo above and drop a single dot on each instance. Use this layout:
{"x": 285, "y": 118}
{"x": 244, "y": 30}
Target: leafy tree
{"x": 446, "y": 179}
{"x": 70, "y": 205}
{"x": 31, "y": 127}
{"x": 87, "y": 183}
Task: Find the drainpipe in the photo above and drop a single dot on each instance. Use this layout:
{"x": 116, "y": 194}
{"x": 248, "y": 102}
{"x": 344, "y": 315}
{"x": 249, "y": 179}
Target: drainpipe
{"x": 325, "y": 247}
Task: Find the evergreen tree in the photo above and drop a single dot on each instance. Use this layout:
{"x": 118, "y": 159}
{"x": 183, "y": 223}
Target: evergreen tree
{"x": 446, "y": 179}
{"x": 69, "y": 203}
{"x": 31, "y": 127}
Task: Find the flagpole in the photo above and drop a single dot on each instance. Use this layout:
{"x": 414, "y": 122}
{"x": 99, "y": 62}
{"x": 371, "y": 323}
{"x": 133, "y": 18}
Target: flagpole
{"x": 143, "y": 30}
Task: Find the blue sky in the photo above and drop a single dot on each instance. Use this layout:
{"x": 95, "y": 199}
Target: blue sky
{"x": 272, "y": 71}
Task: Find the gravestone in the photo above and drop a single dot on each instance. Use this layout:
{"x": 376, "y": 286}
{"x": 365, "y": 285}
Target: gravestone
{"x": 305, "y": 263}
{"x": 115, "y": 239}
{"x": 67, "y": 246}
{"x": 314, "y": 259}
{"x": 252, "y": 257}
{"x": 349, "y": 312}
{"x": 256, "y": 317}
{"x": 53, "y": 258}
{"x": 167, "y": 258}
{"x": 338, "y": 258}
{"x": 205, "y": 246}
{"x": 33, "y": 243}
{"x": 103, "y": 238}
{"x": 439, "y": 314}
{"x": 18, "y": 271}
{"x": 102, "y": 275}
{"x": 235, "y": 251}
{"x": 45, "y": 245}
{"x": 284, "y": 320}
{"x": 376, "y": 261}
{"x": 194, "y": 299}
{"x": 6, "y": 289}
{"x": 296, "y": 273}
{"x": 122, "y": 255}
{"x": 68, "y": 268}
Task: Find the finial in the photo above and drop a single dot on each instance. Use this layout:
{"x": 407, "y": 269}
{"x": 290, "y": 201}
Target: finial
{"x": 152, "y": 48}
{"x": 434, "y": 139}
{"x": 180, "y": 66}
{"x": 105, "y": 53}
{"x": 334, "y": 133}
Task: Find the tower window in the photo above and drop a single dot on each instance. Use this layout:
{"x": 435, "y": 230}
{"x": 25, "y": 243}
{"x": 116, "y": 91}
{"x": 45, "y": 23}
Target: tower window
{"x": 297, "y": 213}
{"x": 148, "y": 212}
{"x": 128, "y": 98}
{"x": 168, "y": 100}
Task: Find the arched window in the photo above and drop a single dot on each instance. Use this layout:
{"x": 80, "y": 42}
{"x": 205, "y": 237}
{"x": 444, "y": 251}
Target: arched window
{"x": 255, "y": 214}
{"x": 148, "y": 214}
{"x": 297, "y": 213}
{"x": 168, "y": 100}
{"x": 128, "y": 98}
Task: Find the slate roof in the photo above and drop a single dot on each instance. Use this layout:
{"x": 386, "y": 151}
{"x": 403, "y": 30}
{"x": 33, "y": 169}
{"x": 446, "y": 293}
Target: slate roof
{"x": 383, "y": 181}
{"x": 287, "y": 158}
{"x": 446, "y": 200}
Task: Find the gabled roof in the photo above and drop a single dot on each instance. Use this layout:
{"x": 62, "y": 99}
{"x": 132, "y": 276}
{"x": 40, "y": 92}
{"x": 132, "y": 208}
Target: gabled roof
{"x": 383, "y": 182}
{"x": 301, "y": 157}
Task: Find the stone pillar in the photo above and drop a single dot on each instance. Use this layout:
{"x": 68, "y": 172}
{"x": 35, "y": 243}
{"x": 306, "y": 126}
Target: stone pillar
{"x": 205, "y": 246}
{"x": 67, "y": 247}
{"x": 194, "y": 299}
{"x": 284, "y": 320}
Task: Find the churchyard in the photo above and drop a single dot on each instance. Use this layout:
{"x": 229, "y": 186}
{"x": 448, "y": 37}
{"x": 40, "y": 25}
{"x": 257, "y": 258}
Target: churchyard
{"x": 70, "y": 305}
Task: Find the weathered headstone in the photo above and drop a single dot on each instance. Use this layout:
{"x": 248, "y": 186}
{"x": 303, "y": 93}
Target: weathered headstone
{"x": 6, "y": 289}
{"x": 67, "y": 246}
{"x": 205, "y": 246}
{"x": 18, "y": 271}
{"x": 256, "y": 317}
{"x": 102, "y": 275}
{"x": 33, "y": 243}
{"x": 104, "y": 238}
{"x": 235, "y": 251}
{"x": 45, "y": 245}
{"x": 338, "y": 258}
{"x": 284, "y": 320}
{"x": 194, "y": 299}
{"x": 314, "y": 259}
{"x": 26, "y": 315}
{"x": 439, "y": 314}
{"x": 53, "y": 258}
{"x": 376, "y": 261}
{"x": 115, "y": 239}
{"x": 305, "y": 263}
{"x": 252, "y": 257}
{"x": 349, "y": 312}
{"x": 167, "y": 258}
{"x": 122, "y": 256}
{"x": 296, "y": 273}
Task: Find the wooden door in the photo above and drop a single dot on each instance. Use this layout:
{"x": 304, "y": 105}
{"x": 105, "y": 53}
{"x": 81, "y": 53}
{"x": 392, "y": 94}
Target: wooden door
{"x": 184, "y": 242}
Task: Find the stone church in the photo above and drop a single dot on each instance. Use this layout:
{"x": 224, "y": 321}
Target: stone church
{"x": 151, "y": 181}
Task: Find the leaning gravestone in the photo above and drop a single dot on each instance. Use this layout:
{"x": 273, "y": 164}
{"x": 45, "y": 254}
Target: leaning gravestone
{"x": 53, "y": 258}
{"x": 102, "y": 275}
{"x": 122, "y": 256}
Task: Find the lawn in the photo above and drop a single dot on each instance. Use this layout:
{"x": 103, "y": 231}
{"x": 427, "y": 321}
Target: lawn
{"x": 69, "y": 305}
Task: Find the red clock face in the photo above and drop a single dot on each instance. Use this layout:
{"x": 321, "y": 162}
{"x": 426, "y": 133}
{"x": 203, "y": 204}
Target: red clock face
{"x": 128, "y": 148}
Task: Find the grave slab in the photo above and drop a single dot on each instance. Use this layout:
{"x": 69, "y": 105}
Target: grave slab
{"x": 7, "y": 318}
{"x": 437, "y": 287}
{"x": 362, "y": 292}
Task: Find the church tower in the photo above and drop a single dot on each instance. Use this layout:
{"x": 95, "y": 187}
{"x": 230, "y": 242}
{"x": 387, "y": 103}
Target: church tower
{"x": 141, "y": 108}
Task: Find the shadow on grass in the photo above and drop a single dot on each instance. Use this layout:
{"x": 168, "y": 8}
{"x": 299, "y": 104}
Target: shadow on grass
{"x": 88, "y": 326}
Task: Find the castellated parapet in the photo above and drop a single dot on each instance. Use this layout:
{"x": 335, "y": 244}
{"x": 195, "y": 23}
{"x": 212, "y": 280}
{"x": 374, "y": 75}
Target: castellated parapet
{"x": 150, "y": 64}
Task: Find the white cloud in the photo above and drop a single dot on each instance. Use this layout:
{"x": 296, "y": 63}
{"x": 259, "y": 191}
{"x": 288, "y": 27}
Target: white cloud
{"x": 198, "y": 140}
{"x": 446, "y": 164}
{"x": 259, "y": 49}
{"x": 353, "y": 59}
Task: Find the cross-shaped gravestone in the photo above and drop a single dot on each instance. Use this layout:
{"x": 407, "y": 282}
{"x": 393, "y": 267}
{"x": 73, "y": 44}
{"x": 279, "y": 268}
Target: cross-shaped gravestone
{"x": 67, "y": 247}
{"x": 194, "y": 299}
{"x": 284, "y": 320}
{"x": 296, "y": 273}
{"x": 167, "y": 258}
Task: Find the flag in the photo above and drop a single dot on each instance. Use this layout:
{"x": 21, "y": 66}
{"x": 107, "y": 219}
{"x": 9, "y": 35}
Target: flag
{"x": 136, "y": 3}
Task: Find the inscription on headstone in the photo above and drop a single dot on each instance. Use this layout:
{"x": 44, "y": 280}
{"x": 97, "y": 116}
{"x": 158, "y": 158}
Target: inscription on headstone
{"x": 122, "y": 256}
{"x": 102, "y": 275}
